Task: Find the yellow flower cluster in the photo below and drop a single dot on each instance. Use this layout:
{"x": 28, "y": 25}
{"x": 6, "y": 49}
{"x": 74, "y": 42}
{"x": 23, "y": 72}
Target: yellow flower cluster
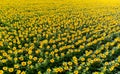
{"x": 59, "y": 37}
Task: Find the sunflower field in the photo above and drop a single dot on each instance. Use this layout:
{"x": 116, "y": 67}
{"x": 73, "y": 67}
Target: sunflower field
{"x": 59, "y": 36}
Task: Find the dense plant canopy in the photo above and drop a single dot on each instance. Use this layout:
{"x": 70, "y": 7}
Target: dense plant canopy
{"x": 59, "y": 36}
